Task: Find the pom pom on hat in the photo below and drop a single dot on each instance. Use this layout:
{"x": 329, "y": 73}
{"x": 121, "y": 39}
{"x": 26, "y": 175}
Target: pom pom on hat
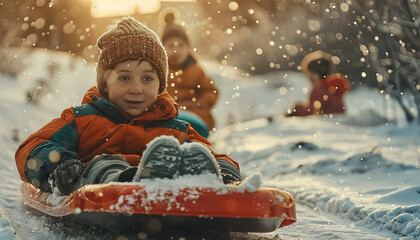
{"x": 173, "y": 29}
{"x": 169, "y": 18}
{"x": 130, "y": 39}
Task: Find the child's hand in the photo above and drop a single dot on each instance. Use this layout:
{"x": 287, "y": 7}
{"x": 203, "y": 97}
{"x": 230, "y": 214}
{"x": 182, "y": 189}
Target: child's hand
{"x": 65, "y": 176}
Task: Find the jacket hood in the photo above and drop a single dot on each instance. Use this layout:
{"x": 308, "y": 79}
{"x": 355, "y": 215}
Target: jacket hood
{"x": 163, "y": 108}
{"x": 336, "y": 83}
{"x": 313, "y": 56}
{"x": 90, "y": 94}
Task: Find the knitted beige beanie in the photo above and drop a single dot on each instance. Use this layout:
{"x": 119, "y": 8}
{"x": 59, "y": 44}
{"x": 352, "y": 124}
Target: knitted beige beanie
{"x": 130, "y": 39}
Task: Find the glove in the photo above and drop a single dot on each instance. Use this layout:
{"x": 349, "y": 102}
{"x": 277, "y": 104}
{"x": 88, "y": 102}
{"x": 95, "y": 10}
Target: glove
{"x": 65, "y": 176}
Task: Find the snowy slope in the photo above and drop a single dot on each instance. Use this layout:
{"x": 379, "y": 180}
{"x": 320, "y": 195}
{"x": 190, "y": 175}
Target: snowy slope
{"x": 359, "y": 167}
{"x": 354, "y": 177}
{"x": 367, "y": 175}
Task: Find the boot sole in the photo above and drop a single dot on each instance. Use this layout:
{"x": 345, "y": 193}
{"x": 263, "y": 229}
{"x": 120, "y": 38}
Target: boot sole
{"x": 197, "y": 161}
{"x": 161, "y": 159}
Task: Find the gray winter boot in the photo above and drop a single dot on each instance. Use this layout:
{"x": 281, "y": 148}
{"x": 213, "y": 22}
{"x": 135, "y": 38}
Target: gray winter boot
{"x": 106, "y": 168}
{"x": 197, "y": 159}
{"x": 161, "y": 159}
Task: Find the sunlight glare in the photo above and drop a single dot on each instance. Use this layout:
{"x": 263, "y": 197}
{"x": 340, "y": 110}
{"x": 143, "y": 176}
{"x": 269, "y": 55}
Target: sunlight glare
{"x": 111, "y": 8}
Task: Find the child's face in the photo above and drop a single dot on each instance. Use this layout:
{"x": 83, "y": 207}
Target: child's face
{"x": 133, "y": 86}
{"x": 177, "y": 50}
{"x": 314, "y": 78}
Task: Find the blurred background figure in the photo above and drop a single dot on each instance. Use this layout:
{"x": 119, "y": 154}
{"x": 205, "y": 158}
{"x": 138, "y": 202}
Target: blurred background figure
{"x": 328, "y": 88}
{"x": 187, "y": 83}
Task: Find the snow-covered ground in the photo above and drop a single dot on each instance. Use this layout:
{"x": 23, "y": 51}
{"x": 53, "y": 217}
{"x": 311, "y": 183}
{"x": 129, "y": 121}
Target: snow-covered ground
{"x": 353, "y": 177}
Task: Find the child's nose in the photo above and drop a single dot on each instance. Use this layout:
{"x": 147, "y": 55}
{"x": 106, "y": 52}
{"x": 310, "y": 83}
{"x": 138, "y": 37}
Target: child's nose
{"x": 136, "y": 87}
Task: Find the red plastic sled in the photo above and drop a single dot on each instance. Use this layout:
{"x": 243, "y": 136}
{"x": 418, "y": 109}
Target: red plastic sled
{"x": 132, "y": 207}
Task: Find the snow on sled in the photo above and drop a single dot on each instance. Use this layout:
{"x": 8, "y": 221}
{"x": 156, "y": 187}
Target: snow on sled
{"x": 127, "y": 207}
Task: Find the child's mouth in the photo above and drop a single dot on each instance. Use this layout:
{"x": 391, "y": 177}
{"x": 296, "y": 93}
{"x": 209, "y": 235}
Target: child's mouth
{"x": 134, "y": 102}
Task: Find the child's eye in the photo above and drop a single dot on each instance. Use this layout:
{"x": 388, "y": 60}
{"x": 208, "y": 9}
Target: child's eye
{"x": 148, "y": 78}
{"x": 124, "y": 78}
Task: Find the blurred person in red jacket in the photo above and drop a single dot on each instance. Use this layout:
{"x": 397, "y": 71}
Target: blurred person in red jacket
{"x": 328, "y": 88}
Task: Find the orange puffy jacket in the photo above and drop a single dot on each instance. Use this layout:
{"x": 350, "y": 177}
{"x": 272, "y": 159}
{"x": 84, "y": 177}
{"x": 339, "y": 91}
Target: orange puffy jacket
{"x": 192, "y": 89}
{"x": 327, "y": 97}
{"x": 95, "y": 128}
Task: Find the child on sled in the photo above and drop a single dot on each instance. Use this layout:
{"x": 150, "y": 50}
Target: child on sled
{"x": 125, "y": 130}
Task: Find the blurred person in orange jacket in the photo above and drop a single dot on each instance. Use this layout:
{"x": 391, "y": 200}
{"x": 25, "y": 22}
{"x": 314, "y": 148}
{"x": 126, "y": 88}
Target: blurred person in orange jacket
{"x": 195, "y": 93}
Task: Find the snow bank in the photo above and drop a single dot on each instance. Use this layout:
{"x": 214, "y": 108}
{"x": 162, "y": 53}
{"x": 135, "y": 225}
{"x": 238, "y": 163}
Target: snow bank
{"x": 354, "y": 164}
